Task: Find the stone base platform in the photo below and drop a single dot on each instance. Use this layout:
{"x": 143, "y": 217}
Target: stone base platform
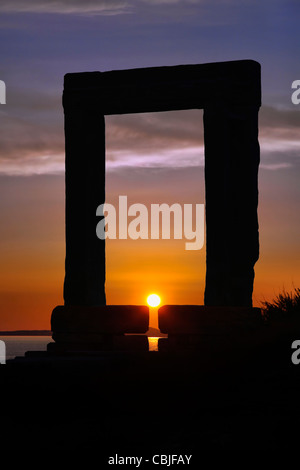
{"x": 180, "y": 401}
{"x": 172, "y": 402}
{"x": 106, "y": 319}
{"x": 87, "y": 344}
{"x": 88, "y": 330}
{"x": 84, "y": 330}
{"x": 199, "y": 327}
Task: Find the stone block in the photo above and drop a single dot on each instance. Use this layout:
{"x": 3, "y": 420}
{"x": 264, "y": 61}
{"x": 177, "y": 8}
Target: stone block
{"x": 84, "y": 345}
{"x": 97, "y": 321}
{"x": 202, "y": 320}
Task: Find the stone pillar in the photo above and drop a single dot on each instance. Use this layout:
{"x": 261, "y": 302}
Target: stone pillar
{"x": 84, "y": 283}
{"x": 231, "y": 174}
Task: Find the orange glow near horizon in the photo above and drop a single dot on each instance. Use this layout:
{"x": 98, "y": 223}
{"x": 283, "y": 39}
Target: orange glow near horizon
{"x": 33, "y": 248}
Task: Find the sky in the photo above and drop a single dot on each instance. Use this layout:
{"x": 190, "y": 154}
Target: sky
{"x": 151, "y": 158}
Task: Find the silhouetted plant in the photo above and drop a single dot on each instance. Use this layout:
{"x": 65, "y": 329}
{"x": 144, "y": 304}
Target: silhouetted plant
{"x": 285, "y": 304}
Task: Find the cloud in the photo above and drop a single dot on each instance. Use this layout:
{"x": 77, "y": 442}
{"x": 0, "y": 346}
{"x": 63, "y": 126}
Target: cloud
{"x": 106, "y": 7}
{"x": 33, "y": 164}
{"x": 30, "y": 147}
{"x": 32, "y": 137}
{"x": 275, "y": 118}
{"x": 171, "y": 2}
{"x": 278, "y": 154}
{"x": 279, "y": 138}
{"x": 275, "y": 166}
{"x": 116, "y": 7}
{"x": 154, "y": 131}
{"x": 91, "y": 6}
{"x": 167, "y": 158}
{"x": 32, "y": 140}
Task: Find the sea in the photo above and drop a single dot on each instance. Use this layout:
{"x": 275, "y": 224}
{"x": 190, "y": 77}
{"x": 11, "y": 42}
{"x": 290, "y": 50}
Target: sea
{"x": 16, "y": 346}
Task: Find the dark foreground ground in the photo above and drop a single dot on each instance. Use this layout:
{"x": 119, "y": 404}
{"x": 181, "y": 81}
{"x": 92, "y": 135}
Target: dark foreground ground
{"x": 225, "y": 396}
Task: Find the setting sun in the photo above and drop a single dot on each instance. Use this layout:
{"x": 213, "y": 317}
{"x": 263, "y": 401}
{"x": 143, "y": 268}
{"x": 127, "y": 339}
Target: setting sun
{"x": 153, "y": 300}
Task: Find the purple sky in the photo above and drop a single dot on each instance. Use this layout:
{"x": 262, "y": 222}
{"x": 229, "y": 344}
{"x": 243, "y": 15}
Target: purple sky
{"x": 43, "y": 40}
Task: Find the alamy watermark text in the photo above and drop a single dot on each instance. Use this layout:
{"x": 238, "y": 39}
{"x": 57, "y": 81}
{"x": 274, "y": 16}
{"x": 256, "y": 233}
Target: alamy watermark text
{"x": 133, "y": 222}
{"x": 296, "y": 94}
{"x": 2, "y": 92}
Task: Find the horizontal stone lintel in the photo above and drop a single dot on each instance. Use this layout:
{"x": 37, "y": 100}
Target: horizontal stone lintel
{"x": 200, "y": 319}
{"x": 157, "y": 89}
{"x": 107, "y": 319}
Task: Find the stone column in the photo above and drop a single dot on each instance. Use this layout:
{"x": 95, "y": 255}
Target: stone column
{"x": 84, "y": 283}
{"x": 231, "y": 174}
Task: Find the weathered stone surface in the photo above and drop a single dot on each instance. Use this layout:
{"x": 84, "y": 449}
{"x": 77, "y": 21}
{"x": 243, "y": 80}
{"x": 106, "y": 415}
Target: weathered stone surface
{"x": 191, "y": 342}
{"x": 109, "y": 319}
{"x": 231, "y": 193}
{"x": 230, "y": 94}
{"x": 92, "y": 344}
{"x": 84, "y": 282}
{"x": 199, "y": 319}
{"x": 81, "y": 338}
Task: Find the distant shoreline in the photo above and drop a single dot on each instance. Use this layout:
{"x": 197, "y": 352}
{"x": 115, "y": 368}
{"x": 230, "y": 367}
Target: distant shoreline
{"x": 151, "y": 332}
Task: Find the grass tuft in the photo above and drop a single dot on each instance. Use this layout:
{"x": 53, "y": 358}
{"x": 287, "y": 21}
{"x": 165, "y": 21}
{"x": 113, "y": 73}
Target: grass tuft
{"x": 285, "y": 305}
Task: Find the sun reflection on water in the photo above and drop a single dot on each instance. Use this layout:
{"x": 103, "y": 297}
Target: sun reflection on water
{"x": 153, "y": 343}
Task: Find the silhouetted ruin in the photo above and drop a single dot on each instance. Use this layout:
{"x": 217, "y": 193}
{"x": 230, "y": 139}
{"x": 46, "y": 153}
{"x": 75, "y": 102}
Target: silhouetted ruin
{"x": 230, "y": 95}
